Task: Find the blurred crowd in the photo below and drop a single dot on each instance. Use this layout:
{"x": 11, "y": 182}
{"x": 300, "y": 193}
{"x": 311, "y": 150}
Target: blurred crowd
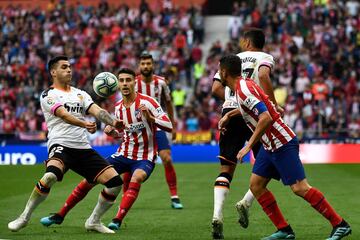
{"x": 101, "y": 38}
{"x": 316, "y": 46}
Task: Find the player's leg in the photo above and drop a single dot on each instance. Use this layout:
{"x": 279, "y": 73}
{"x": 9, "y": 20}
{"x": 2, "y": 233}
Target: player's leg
{"x": 221, "y": 190}
{"x": 293, "y": 174}
{"x": 54, "y": 172}
{"x": 170, "y": 174}
{"x": 97, "y": 170}
{"x": 263, "y": 171}
{"x": 126, "y": 177}
{"x": 112, "y": 181}
{"x": 245, "y": 203}
{"x": 79, "y": 192}
{"x": 141, "y": 170}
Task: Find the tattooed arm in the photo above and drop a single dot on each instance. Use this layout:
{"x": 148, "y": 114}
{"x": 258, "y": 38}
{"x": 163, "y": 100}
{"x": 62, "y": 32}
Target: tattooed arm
{"x": 103, "y": 116}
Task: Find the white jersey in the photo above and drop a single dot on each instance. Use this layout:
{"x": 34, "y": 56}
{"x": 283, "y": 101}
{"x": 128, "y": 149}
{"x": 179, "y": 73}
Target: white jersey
{"x": 76, "y": 102}
{"x": 251, "y": 62}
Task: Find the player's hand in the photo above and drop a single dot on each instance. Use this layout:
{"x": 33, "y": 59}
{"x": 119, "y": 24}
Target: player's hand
{"x": 118, "y": 124}
{"x": 90, "y": 127}
{"x": 280, "y": 110}
{"x": 109, "y": 130}
{"x": 222, "y": 123}
{"x": 241, "y": 154}
{"x": 145, "y": 112}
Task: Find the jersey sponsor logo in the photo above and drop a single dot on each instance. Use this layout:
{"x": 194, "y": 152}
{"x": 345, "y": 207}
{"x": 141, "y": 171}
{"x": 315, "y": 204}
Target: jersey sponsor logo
{"x": 70, "y": 107}
{"x": 135, "y": 127}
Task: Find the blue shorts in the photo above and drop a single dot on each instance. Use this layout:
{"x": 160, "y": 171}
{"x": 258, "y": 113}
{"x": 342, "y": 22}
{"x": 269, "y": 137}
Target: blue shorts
{"x": 284, "y": 163}
{"x": 123, "y": 164}
{"x": 162, "y": 141}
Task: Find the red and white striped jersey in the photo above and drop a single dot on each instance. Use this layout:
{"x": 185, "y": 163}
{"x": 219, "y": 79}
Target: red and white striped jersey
{"x": 139, "y": 141}
{"x": 155, "y": 89}
{"x": 248, "y": 95}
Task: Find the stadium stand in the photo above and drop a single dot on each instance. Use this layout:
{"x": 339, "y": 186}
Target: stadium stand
{"x": 316, "y": 47}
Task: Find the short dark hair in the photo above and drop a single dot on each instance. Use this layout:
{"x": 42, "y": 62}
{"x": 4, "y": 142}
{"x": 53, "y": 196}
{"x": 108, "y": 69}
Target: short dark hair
{"x": 146, "y": 55}
{"x": 232, "y": 64}
{"x": 52, "y": 62}
{"x": 256, "y": 37}
{"x": 127, "y": 71}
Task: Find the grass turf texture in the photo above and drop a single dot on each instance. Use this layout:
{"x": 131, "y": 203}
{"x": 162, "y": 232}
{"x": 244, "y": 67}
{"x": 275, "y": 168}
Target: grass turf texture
{"x": 152, "y": 218}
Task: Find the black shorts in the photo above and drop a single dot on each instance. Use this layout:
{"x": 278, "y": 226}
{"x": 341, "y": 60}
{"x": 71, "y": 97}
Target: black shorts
{"x": 230, "y": 143}
{"x": 85, "y": 162}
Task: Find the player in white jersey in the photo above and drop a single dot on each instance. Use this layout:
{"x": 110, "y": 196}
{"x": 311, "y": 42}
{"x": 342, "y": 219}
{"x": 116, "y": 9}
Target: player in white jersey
{"x": 155, "y": 86}
{"x": 278, "y": 157}
{"x": 256, "y": 65}
{"x": 141, "y": 116}
{"x": 64, "y": 108}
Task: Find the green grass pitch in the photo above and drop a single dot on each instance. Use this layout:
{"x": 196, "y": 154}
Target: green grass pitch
{"x": 152, "y": 218}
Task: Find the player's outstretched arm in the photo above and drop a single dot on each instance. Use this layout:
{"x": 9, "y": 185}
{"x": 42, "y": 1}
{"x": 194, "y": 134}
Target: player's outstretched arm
{"x": 103, "y": 116}
{"x": 62, "y": 113}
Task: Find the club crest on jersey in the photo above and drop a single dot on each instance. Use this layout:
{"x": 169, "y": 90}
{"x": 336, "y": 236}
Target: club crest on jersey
{"x": 138, "y": 114}
{"x": 50, "y": 101}
{"x": 80, "y": 96}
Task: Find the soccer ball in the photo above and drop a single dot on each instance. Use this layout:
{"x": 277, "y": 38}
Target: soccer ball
{"x": 105, "y": 84}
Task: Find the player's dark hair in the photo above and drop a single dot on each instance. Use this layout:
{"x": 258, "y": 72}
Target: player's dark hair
{"x": 52, "y": 62}
{"x": 127, "y": 71}
{"x": 232, "y": 64}
{"x": 146, "y": 55}
{"x": 256, "y": 37}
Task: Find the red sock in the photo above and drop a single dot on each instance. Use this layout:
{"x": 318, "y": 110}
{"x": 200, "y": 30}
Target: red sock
{"x": 128, "y": 199}
{"x": 319, "y": 202}
{"x": 170, "y": 175}
{"x": 76, "y": 196}
{"x": 126, "y": 180}
{"x": 270, "y": 207}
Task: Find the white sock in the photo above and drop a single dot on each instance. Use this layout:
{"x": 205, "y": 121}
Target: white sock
{"x": 220, "y": 194}
{"x": 248, "y": 198}
{"x": 103, "y": 204}
{"x": 36, "y": 197}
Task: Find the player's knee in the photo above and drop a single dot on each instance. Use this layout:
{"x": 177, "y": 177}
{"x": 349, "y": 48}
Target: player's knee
{"x": 112, "y": 188}
{"x": 55, "y": 171}
{"x": 114, "y": 182}
{"x": 223, "y": 180}
{"x": 46, "y": 182}
{"x": 300, "y": 189}
{"x": 166, "y": 159}
{"x": 256, "y": 188}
